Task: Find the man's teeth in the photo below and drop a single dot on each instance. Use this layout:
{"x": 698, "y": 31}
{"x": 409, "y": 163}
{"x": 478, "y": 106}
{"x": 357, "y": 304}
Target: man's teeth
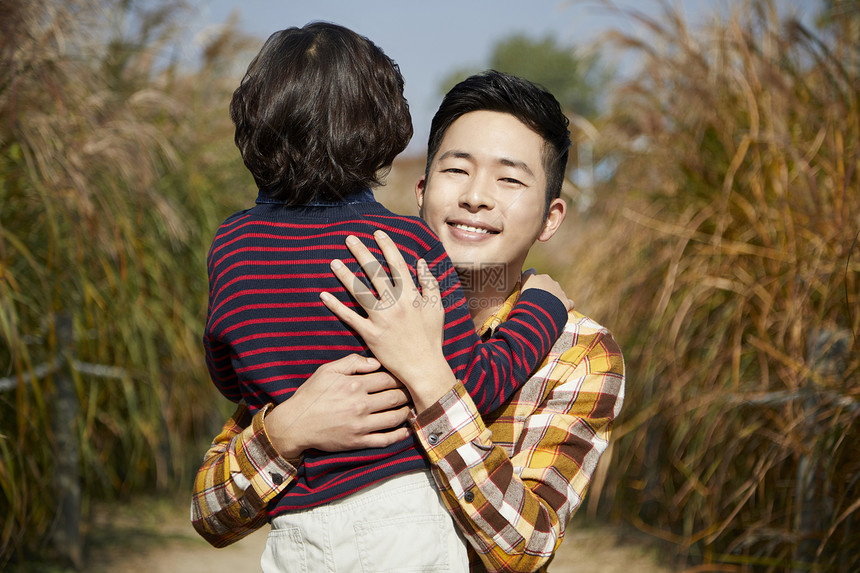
{"x": 470, "y": 229}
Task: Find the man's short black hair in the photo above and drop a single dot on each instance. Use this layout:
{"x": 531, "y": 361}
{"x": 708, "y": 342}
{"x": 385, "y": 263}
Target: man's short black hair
{"x": 531, "y": 104}
{"x": 319, "y": 113}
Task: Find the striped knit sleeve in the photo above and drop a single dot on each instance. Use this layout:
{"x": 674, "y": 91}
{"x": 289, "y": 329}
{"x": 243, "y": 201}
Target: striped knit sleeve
{"x": 493, "y": 370}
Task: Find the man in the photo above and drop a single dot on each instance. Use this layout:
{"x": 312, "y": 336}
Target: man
{"x": 512, "y": 479}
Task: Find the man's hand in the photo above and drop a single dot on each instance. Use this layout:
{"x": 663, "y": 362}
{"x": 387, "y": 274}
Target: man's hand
{"x": 345, "y": 405}
{"x": 545, "y": 282}
{"x": 404, "y": 326}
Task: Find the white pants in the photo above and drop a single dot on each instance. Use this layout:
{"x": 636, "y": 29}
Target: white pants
{"x": 399, "y": 525}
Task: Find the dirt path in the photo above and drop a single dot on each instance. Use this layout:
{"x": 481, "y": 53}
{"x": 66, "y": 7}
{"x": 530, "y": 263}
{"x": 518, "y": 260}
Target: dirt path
{"x": 158, "y": 538}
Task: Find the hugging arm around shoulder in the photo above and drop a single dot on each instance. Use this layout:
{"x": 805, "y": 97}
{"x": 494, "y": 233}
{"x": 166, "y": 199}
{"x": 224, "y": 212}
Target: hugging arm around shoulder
{"x": 512, "y": 485}
{"x": 493, "y": 370}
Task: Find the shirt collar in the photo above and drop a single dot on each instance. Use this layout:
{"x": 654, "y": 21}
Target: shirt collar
{"x": 501, "y": 315}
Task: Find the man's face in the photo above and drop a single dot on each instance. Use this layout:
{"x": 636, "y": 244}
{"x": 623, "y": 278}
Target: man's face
{"x": 486, "y": 192}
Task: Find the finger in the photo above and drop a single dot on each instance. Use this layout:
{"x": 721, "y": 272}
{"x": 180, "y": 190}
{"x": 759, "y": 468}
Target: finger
{"x": 387, "y": 400}
{"x": 379, "y": 381}
{"x": 372, "y": 268}
{"x": 383, "y": 439}
{"x": 400, "y": 273}
{"x": 359, "y": 291}
{"x": 429, "y": 284}
{"x": 348, "y": 316}
{"x": 387, "y": 420}
{"x": 355, "y": 364}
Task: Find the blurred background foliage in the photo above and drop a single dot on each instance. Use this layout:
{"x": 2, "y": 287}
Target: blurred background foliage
{"x": 574, "y": 75}
{"x": 730, "y": 220}
{"x": 717, "y": 201}
{"x": 115, "y": 168}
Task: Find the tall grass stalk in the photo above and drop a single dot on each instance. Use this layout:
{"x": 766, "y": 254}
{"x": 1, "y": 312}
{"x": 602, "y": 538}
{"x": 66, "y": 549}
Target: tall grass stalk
{"x": 115, "y": 167}
{"x": 729, "y": 271}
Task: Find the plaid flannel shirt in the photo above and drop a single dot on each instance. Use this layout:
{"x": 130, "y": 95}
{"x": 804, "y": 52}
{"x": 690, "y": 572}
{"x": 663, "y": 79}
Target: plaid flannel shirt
{"x": 511, "y": 480}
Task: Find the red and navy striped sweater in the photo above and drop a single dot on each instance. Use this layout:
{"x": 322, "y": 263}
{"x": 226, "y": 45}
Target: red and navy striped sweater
{"x": 267, "y": 330}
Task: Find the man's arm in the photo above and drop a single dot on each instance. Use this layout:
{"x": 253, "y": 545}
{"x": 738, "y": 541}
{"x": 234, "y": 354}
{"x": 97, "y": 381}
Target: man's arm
{"x": 512, "y": 491}
{"x": 240, "y": 474}
{"x": 255, "y": 458}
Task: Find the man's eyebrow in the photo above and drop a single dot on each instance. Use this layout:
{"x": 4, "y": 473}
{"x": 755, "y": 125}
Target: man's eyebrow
{"x": 455, "y": 154}
{"x": 508, "y": 162}
{"x": 516, "y": 164}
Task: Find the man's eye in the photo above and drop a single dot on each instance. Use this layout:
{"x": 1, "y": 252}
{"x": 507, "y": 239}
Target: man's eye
{"x": 453, "y": 170}
{"x": 512, "y": 181}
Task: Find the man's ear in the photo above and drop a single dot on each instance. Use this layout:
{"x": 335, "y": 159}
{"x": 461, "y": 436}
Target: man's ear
{"x": 555, "y": 217}
{"x": 419, "y": 194}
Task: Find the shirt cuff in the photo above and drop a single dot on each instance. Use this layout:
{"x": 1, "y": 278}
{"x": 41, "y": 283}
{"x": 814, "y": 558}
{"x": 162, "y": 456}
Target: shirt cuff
{"x": 448, "y": 424}
{"x": 267, "y": 471}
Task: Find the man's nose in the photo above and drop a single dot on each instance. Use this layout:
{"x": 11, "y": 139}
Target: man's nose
{"x": 477, "y": 195}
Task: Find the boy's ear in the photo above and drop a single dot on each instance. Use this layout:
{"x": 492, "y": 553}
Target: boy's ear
{"x": 419, "y": 194}
{"x": 554, "y": 218}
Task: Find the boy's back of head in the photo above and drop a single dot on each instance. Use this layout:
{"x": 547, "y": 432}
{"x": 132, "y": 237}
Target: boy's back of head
{"x": 319, "y": 113}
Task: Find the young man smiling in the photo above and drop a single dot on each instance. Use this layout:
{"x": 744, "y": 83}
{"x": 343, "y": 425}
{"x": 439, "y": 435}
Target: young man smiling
{"x": 512, "y": 479}
{"x": 489, "y": 201}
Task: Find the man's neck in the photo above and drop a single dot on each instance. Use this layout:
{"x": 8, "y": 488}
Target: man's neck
{"x": 486, "y": 290}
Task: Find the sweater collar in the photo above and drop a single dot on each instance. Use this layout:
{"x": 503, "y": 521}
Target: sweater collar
{"x": 358, "y": 196}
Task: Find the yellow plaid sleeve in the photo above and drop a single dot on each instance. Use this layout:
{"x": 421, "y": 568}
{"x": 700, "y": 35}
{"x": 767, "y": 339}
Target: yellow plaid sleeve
{"x": 513, "y": 485}
{"x": 240, "y": 474}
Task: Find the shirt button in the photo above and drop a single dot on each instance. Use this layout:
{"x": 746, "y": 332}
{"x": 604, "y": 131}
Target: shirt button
{"x": 469, "y": 497}
{"x": 433, "y": 439}
{"x": 244, "y": 513}
{"x": 277, "y": 479}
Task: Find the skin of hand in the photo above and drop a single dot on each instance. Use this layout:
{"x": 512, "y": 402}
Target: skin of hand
{"x": 401, "y": 314}
{"x": 545, "y": 282}
{"x": 346, "y": 404}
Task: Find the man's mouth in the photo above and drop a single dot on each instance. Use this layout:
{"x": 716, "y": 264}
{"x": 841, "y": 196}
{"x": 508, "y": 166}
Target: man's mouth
{"x": 473, "y": 229}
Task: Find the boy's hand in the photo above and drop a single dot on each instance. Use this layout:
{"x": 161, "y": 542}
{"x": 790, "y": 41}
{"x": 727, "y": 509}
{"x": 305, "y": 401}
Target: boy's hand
{"x": 346, "y": 404}
{"x": 545, "y": 282}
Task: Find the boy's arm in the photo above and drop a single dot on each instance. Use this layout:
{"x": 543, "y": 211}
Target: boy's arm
{"x": 514, "y": 509}
{"x": 502, "y": 364}
{"x": 492, "y": 370}
{"x": 403, "y": 327}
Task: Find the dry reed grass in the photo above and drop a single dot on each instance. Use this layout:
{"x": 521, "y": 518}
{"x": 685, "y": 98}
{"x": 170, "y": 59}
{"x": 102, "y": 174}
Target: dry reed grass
{"x": 115, "y": 167}
{"x": 722, "y": 255}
